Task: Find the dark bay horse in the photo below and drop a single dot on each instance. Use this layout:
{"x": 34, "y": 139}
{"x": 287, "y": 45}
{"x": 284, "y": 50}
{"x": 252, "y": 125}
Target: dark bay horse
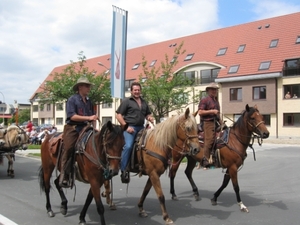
{"x": 154, "y": 154}
{"x": 12, "y": 139}
{"x": 98, "y": 162}
{"x": 231, "y": 154}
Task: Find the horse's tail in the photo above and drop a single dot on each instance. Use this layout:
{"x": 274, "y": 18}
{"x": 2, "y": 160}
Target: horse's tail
{"x": 41, "y": 179}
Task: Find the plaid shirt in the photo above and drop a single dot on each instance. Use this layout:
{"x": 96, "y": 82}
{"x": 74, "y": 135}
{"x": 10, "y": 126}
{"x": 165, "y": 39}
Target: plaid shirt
{"x": 209, "y": 103}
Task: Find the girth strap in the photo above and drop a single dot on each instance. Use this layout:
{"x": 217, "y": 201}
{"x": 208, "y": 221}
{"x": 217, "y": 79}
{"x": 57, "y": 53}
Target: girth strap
{"x": 161, "y": 158}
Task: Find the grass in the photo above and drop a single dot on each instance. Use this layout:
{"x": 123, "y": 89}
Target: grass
{"x": 34, "y": 146}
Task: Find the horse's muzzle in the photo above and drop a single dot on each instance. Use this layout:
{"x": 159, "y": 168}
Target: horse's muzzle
{"x": 265, "y": 135}
{"x": 194, "y": 149}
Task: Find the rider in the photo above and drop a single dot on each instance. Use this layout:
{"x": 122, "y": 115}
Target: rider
{"x": 132, "y": 111}
{"x": 209, "y": 111}
{"x": 80, "y": 111}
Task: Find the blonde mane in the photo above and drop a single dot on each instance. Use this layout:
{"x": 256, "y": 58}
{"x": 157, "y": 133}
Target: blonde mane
{"x": 164, "y": 134}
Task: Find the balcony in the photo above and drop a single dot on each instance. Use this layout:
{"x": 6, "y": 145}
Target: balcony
{"x": 291, "y": 71}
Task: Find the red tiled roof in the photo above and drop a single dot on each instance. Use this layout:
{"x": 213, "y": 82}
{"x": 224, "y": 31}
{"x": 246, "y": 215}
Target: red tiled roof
{"x": 205, "y": 47}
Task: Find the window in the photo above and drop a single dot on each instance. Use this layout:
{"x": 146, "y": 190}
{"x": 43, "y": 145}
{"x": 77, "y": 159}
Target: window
{"x": 35, "y": 120}
{"x": 42, "y": 106}
{"x": 293, "y": 89}
{"x": 128, "y": 84}
{"x": 298, "y": 40}
{"x": 291, "y": 67}
{"x": 59, "y": 121}
{"x": 180, "y": 98}
{"x": 190, "y": 75}
{"x": 35, "y": 108}
{"x": 59, "y": 107}
{"x": 152, "y": 63}
{"x": 222, "y": 51}
{"x": 189, "y": 57}
{"x": 265, "y": 65}
{"x": 106, "y": 105}
{"x": 267, "y": 119}
{"x": 241, "y": 48}
{"x": 105, "y": 119}
{"x": 208, "y": 76}
{"x": 136, "y": 66}
{"x": 174, "y": 59}
{"x": 48, "y": 107}
{"x": 203, "y": 94}
{"x": 233, "y": 69}
{"x": 235, "y": 94}
{"x": 259, "y": 92}
{"x": 291, "y": 119}
{"x": 273, "y": 43}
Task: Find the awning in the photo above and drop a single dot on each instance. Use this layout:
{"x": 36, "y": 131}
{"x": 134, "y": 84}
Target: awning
{"x": 5, "y": 116}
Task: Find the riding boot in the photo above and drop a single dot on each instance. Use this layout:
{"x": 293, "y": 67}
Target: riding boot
{"x": 63, "y": 177}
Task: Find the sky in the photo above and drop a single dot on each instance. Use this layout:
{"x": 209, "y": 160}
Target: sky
{"x": 37, "y": 36}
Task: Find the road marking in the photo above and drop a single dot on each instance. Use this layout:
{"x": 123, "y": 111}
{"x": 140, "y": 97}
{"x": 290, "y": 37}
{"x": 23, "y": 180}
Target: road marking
{"x": 6, "y": 221}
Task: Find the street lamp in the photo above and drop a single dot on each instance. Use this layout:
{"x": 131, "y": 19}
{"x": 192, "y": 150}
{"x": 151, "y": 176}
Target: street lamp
{"x": 3, "y": 107}
{"x": 107, "y": 71}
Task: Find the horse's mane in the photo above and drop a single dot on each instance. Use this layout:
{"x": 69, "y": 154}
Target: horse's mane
{"x": 12, "y": 127}
{"x": 165, "y": 134}
{"x": 240, "y": 122}
{"x": 115, "y": 132}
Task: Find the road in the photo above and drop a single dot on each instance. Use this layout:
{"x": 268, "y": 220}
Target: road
{"x": 269, "y": 188}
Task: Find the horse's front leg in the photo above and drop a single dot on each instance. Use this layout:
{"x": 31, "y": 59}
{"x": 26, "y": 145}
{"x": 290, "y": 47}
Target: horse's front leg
{"x": 106, "y": 193}
{"x": 10, "y": 168}
{"x": 226, "y": 180}
{"x": 191, "y": 163}
{"x": 172, "y": 174}
{"x": 87, "y": 203}
{"x": 157, "y": 187}
{"x": 147, "y": 188}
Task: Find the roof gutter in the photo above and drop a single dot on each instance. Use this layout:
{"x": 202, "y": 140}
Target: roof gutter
{"x": 250, "y": 77}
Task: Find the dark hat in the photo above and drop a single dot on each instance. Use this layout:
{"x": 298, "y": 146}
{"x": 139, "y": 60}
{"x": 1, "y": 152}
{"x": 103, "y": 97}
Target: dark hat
{"x": 81, "y": 80}
{"x": 212, "y": 86}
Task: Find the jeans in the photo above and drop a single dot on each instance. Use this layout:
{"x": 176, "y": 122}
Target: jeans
{"x": 127, "y": 148}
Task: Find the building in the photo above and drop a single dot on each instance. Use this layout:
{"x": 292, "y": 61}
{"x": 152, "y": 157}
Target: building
{"x": 7, "y": 110}
{"x": 255, "y": 63}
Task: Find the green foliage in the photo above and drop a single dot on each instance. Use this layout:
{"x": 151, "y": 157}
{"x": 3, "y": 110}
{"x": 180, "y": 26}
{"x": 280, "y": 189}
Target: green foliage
{"x": 164, "y": 91}
{"x": 61, "y": 87}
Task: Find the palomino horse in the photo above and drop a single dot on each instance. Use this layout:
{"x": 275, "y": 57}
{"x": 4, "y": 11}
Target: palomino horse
{"x": 154, "y": 152}
{"x": 99, "y": 161}
{"x": 231, "y": 154}
{"x": 11, "y": 139}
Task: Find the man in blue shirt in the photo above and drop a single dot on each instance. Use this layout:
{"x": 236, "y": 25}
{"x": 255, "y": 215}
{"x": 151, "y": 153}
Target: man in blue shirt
{"x": 80, "y": 111}
{"x": 132, "y": 111}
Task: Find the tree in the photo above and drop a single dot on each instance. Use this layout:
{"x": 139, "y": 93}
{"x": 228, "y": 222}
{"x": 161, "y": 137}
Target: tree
{"x": 61, "y": 87}
{"x": 164, "y": 91}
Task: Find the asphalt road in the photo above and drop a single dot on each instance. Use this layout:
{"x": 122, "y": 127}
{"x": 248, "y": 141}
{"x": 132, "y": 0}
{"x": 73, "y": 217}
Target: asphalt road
{"x": 269, "y": 188}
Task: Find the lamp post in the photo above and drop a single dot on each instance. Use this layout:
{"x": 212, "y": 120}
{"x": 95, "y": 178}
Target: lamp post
{"x": 3, "y": 108}
{"x": 101, "y": 64}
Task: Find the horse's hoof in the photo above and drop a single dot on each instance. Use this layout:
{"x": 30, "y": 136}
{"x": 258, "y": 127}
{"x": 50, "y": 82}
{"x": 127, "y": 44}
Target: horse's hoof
{"x": 143, "y": 214}
{"x": 245, "y": 210}
{"x": 169, "y": 221}
{"x": 197, "y": 198}
{"x": 112, "y": 207}
{"x": 63, "y": 211}
{"x": 213, "y": 202}
{"x": 50, "y": 213}
{"x": 82, "y": 223}
{"x": 174, "y": 198}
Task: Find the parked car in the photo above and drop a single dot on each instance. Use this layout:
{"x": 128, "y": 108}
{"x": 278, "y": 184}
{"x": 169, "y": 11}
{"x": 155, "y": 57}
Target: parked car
{"x": 46, "y": 126}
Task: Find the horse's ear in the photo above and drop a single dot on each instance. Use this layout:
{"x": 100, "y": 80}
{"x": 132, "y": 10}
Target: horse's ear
{"x": 195, "y": 113}
{"x": 255, "y": 107}
{"x": 109, "y": 125}
{"x": 187, "y": 113}
{"x": 247, "y": 108}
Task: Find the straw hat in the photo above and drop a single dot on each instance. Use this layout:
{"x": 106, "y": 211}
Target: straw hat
{"x": 81, "y": 80}
{"x": 212, "y": 86}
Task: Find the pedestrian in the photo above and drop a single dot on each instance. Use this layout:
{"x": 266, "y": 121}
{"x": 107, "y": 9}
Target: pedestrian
{"x": 209, "y": 111}
{"x": 287, "y": 95}
{"x": 132, "y": 111}
{"x": 29, "y": 127}
{"x": 80, "y": 111}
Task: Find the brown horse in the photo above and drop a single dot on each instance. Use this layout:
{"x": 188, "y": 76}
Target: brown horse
{"x": 11, "y": 139}
{"x": 99, "y": 161}
{"x": 231, "y": 154}
{"x": 153, "y": 154}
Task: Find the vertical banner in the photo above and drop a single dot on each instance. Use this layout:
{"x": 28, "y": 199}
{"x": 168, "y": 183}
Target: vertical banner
{"x": 118, "y": 52}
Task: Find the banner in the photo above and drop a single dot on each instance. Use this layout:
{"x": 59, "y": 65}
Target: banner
{"x": 118, "y": 52}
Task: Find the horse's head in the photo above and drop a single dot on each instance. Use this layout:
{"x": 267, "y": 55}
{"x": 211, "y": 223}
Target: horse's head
{"x": 112, "y": 142}
{"x": 187, "y": 132}
{"x": 255, "y": 122}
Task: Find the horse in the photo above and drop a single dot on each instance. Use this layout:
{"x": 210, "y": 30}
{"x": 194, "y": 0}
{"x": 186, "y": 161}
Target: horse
{"x": 12, "y": 138}
{"x": 153, "y": 150}
{"x": 230, "y": 154}
{"x": 95, "y": 163}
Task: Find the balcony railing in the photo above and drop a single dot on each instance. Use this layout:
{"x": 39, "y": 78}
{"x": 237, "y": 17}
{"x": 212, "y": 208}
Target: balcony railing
{"x": 295, "y": 71}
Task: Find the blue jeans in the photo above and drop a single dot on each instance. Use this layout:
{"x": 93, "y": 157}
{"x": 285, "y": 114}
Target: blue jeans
{"x": 127, "y": 148}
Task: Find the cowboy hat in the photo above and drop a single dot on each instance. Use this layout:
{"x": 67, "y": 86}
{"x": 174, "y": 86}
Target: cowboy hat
{"x": 212, "y": 86}
{"x": 81, "y": 80}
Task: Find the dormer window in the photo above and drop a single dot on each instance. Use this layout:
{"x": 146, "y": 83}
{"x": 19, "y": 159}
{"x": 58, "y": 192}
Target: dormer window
{"x": 241, "y": 48}
{"x": 233, "y": 69}
{"x": 189, "y": 57}
{"x": 264, "y": 65}
{"x": 174, "y": 59}
{"x": 298, "y": 40}
{"x": 136, "y": 66}
{"x": 152, "y": 63}
{"x": 273, "y": 43}
{"x": 222, "y": 51}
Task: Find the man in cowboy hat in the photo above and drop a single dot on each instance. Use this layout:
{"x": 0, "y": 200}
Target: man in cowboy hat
{"x": 80, "y": 110}
{"x": 209, "y": 111}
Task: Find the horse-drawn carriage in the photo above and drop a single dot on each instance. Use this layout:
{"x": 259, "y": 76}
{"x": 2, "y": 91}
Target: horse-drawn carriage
{"x": 12, "y": 138}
